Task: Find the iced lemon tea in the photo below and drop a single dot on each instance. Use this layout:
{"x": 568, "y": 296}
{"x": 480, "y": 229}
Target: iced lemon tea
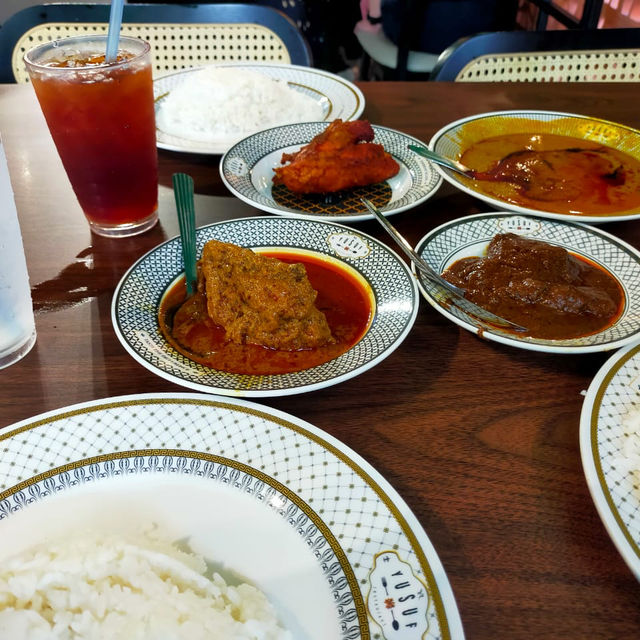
{"x": 102, "y": 120}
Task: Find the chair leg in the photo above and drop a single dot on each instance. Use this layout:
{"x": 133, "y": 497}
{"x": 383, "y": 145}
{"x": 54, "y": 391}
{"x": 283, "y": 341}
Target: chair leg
{"x": 365, "y": 66}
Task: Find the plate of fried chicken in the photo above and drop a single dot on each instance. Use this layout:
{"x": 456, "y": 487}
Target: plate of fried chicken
{"x": 322, "y": 170}
{"x": 282, "y": 306}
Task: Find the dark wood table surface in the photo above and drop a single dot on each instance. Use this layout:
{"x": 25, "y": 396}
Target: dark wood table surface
{"x": 479, "y": 438}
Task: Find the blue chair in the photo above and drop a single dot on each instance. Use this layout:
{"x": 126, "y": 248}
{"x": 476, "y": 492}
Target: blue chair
{"x": 573, "y": 55}
{"x": 181, "y": 36}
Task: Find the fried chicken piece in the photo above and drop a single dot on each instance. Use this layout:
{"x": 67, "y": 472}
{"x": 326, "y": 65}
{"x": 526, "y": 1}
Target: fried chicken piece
{"x": 341, "y": 157}
{"x": 260, "y": 300}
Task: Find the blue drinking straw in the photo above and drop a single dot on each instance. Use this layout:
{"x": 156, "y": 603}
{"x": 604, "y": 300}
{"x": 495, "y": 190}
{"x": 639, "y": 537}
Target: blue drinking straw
{"x": 115, "y": 22}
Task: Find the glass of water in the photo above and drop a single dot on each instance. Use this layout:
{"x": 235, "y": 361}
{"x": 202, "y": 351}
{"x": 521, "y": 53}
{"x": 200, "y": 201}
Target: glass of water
{"x": 17, "y": 326}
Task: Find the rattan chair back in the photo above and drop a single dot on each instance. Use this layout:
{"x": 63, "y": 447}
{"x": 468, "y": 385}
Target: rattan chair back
{"x": 602, "y": 55}
{"x": 181, "y": 36}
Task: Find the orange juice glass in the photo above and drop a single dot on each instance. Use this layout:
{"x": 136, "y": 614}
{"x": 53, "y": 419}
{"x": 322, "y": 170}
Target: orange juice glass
{"x": 102, "y": 119}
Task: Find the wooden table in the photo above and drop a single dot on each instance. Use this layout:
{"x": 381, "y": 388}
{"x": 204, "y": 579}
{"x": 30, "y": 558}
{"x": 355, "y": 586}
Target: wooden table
{"x": 480, "y": 439}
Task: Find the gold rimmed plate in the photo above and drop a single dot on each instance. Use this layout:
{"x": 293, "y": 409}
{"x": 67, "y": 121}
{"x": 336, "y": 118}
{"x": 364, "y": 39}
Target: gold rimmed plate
{"x": 257, "y": 492}
{"x": 336, "y": 97}
{"x": 610, "y": 449}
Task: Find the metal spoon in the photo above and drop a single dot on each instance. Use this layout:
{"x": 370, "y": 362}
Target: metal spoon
{"x": 506, "y": 170}
{"x": 411, "y": 254}
{"x": 452, "y": 294}
{"x": 447, "y": 163}
{"x": 183, "y": 193}
{"x": 532, "y": 172}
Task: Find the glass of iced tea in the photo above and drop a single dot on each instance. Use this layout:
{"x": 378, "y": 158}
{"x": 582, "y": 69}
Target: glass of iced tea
{"x": 101, "y": 117}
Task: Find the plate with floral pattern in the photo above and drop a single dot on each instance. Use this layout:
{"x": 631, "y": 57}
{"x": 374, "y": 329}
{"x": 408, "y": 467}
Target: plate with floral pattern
{"x": 470, "y": 236}
{"x": 391, "y": 286}
{"x": 336, "y": 96}
{"x": 260, "y": 494}
{"x": 453, "y": 139}
{"x": 610, "y": 449}
{"x": 247, "y": 170}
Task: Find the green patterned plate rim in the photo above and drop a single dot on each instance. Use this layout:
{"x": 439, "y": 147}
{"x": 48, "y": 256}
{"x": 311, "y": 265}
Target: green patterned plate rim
{"x": 469, "y": 236}
{"x": 137, "y": 297}
{"x": 247, "y": 171}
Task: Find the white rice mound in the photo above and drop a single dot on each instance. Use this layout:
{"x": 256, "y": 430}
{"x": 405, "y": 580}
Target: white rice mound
{"x": 216, "y": 103}
{"x": 630, "y": 459}
{"x": 115, "y": 587}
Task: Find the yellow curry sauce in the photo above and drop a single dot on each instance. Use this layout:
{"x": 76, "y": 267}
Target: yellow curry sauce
{"x": 596, "y": 179}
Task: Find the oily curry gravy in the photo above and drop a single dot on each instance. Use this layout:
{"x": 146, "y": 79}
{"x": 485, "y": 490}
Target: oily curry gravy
{"x": 554, "y": 294}
{"x": 345, "y": 301}
{"x": 555, "y": 173}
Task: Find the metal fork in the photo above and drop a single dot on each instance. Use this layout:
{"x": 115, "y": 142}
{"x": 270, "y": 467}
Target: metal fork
{"x": 452, "y": 294}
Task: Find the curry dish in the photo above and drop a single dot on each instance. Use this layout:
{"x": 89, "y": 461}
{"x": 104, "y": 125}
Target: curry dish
{"x": 262, "y": 314}
{"x": 555, "y": 173}
{"x": 554, "y": 294}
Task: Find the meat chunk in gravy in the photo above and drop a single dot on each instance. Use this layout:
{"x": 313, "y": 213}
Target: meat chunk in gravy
{"x": 540, "y": 286}
{"x": 260, "y": 300}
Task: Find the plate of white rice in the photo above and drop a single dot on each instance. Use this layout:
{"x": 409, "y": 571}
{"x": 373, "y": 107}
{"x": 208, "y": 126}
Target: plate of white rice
{"x": 208, "y": 109}
{"x": 610, "y": 449}
{"x": 92, "y": 584}
{"x": 184, "y": 516}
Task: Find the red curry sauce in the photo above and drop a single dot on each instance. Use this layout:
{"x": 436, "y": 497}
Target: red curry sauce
{"x": 345, "y": 300}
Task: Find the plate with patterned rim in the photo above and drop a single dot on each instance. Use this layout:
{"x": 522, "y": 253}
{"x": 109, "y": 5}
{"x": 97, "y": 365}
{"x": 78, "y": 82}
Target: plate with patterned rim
{"x": 470, "y": 236}
{"x": 134, "y": 311}
{"x": 610, "y": 449}
{"x": 454, "y": 137}
{"x": 247, "y": 170}
{"x": 337, "y": 97}
{"x": 256, "y": 491}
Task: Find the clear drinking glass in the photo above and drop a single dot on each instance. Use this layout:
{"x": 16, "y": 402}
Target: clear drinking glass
{"x": 17, "y": 326}
{"x": 102, "y": 119}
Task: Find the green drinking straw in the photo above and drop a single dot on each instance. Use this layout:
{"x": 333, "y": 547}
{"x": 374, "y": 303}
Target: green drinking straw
{"x": 115, "y": 22}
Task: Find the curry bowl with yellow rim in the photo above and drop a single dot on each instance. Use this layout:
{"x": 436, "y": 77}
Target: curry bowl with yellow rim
{"x": 599, "y": 175}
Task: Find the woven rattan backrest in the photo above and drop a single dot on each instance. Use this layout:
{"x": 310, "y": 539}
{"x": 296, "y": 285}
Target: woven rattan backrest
{"x": 173, "y": 46}
{"x": 615, "y": 65}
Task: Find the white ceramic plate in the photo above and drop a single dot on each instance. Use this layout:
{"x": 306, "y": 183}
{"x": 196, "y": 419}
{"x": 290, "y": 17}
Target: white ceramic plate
{"x": 610, "y": 450}
{"x": 136, "y": 299}
{"x": 448, "y": 142}
{"x": 338, "y": 98}
{"x": 258, "y": 492}
{"x": 470, "y": 236}
{"x": 247, "y": 170}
